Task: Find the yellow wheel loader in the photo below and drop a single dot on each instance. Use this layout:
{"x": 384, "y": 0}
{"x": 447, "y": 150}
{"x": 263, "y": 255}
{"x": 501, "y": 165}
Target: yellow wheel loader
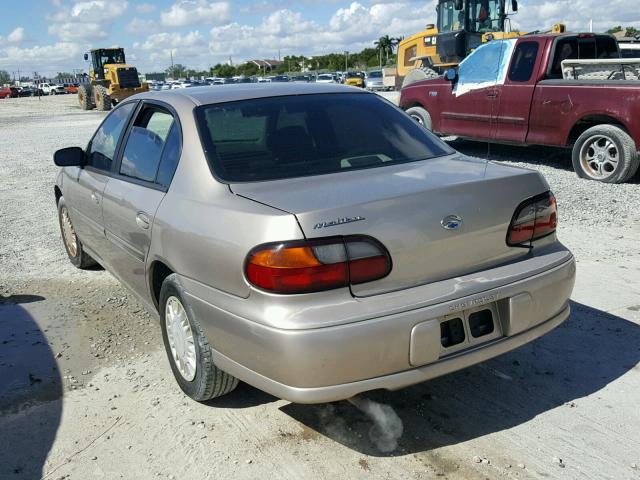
{"x": 111, "y": 80}
{"x": 462, "y": 26}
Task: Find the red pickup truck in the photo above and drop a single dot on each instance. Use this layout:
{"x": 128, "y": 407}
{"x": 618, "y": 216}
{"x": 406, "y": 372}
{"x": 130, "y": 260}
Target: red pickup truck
{"x": 513, "y": 91}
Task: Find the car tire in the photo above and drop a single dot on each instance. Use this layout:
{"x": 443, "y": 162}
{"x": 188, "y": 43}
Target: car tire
{"x": 72, "y": 244}
{"x": 605, "y": 153}
{"x": 187, "y": 347}
{"x": 85, "y": 98}
{"x": 421, "y": 116}
{"x": 101, "y": 98}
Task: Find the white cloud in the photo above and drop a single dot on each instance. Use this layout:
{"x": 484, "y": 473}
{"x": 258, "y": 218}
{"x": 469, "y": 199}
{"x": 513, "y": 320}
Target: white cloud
{"x": 86, "y": 20}
{"x": 17, "y": 36}
{"x": 145, "y": 8}
{"x": 193, "y": 12}
{"x": 43, "y": 58}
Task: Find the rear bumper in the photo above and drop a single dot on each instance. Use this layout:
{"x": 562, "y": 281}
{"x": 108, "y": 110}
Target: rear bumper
{"x": 384, "y": 352}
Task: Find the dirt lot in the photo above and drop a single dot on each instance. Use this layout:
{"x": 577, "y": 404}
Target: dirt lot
{"x": 86, "y": 390}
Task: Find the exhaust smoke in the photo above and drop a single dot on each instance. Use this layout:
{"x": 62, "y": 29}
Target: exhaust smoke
{"x": 387, "y": 426}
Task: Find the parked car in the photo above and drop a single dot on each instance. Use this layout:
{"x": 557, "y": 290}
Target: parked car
{"x": 355, "y": 79}
{"x": 28, "y": 91}
{"x": 8, "y": 92}
{"x": 374, "y": 81}
{"x": 629, "y": 47}
{"x": 513, "y": 91}
{"x": 280, "y": 78}
{"x": 354, "y": 253}
{"x": 71, "y": 87}
{"x": 51, "y": 89}
{"x": 325, "y": 78}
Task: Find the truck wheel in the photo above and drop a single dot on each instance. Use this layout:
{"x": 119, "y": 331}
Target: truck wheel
{"x": 187, "y": 347}
{"x": 85, "y": 98}
{"x": 419, "y": 74}
{"x": 605, "y": 153}
{"x": 101, "y": 98}
{"x": 421, "y": 116}
{"x": 72, "y": 243}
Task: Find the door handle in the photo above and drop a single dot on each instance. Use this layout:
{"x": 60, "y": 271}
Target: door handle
{"x": 492, "y": 95}
{"x": 95, "y": 198}
{"x": 142, "y": 219}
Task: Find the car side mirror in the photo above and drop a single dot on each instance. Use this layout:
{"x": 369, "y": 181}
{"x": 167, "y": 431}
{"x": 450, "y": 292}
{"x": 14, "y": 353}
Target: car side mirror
{"x": 69, "y": 157}
{"x": 86, "y": 57}
{"x": 451, "y": 75}
{"x": 514, "y": 5}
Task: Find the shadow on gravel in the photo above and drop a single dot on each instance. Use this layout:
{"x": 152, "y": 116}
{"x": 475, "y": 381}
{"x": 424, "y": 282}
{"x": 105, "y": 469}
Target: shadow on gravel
{"x": 554, "y": 157}
{"x": 245, "y": 396}
{"x": 30, "y": 391}
{"x": 586, "y": 353}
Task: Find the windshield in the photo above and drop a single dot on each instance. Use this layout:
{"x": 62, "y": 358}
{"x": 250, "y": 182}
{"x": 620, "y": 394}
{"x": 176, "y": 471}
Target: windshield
{"x": 376, "y": 74}
{"x": 354, "y": 75}
{"x": 111, "y": 56}
{"x": 484, "y": 16}
{"x": 295, "y": 136}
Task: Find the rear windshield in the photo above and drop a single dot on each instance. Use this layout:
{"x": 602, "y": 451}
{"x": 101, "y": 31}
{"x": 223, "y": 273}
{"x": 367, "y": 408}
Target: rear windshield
{"x": 582, "y": 48}
{"x": 375, "y": 74}
{"x": 295, "y": 136}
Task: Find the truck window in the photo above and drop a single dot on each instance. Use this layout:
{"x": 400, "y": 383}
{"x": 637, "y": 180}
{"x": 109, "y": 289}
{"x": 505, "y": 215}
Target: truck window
{"x": 581, "y": 48}
{"x": 524, "y": 60}
{"x": 486, "y": 66}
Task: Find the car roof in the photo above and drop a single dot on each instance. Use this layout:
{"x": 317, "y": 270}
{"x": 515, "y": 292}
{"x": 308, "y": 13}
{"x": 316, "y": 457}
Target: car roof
{"x": 243, "y": 91}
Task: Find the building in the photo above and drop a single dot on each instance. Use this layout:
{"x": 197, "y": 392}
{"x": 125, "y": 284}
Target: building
{"x": 266, "y": 64}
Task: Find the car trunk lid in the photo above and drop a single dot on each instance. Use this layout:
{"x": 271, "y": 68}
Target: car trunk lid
{"x": 407, "y": 207}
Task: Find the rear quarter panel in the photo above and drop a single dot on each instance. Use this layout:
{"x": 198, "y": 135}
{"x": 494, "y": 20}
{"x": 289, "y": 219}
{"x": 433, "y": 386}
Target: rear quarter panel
{"x": 558, "y": 105}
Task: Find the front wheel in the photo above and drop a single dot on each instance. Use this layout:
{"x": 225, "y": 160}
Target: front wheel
{"x": 72, "y": 243}
{"x": 605, "y": 153}
{"x": 421, "y": 116}
{"x": 187, "y": 347}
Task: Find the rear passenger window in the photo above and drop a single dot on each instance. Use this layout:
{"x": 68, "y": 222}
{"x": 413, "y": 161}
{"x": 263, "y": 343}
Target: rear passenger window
{"x": 524, "y": 60}
{"x": 104, "y": 143}
{"x": 149, "y": 138}
{"x": 170, "y": 156}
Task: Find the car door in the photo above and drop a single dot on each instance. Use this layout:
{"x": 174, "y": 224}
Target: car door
{"x": 147, "y": 160}
{"x": 470, "y": 109}
{"x": 86, "y": 186}
{"x": 515, "y": 96}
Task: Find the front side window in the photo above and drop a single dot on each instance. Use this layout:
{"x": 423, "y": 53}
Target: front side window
{"x": 524, "y": 60}
{"x": 103, "y": 145}
{"x": 146, "y": 143}
{"x": 294, "y": 136}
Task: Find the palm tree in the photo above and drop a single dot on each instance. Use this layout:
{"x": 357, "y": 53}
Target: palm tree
{"x": 384, "y": 45}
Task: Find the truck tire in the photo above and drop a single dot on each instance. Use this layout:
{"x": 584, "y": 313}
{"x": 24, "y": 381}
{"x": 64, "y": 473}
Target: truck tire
{"x": 85, "y": 98}
{"x": 101, "y": 98}
{"x": 605, "y": 153}
{"x": 419, "y": 74}
{"x": 72, "y": 244}
{"x": 190, "y": 355}
{"x": 421, "y": 116}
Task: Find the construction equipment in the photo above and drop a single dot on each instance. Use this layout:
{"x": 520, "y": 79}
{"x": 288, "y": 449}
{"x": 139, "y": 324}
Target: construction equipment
{"x": 111, "y": 80}
{"x": 462, "y": 26}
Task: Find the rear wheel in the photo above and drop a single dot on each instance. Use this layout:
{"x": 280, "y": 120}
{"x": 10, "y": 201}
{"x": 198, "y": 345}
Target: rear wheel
{"x": 605, "y": 153}
{"x": 187, "y": 347}
{"x": 421, "y": 116}
{"x": 101, "y": 98}
{"x": 72, "y": 243}
{"x": 85, "y": 98}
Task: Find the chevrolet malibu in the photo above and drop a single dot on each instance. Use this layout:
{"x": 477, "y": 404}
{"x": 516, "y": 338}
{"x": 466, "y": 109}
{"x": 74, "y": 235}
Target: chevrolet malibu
{"x": 311, "y": 240}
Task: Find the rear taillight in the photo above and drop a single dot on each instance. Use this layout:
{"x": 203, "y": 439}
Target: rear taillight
{"x": 534, "y": 218}
{"x": 303, "y": 266}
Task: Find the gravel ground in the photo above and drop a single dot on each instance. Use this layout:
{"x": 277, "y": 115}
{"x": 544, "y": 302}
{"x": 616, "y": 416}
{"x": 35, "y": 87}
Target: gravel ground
{"x": 86, "y": 391}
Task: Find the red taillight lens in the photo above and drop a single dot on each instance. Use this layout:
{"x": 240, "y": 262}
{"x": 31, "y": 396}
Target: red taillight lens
{"x": 303, "y": 266}
{"x": 534, "y": 218}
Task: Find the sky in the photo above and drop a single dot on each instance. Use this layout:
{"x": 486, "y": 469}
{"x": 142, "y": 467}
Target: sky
{"x": 50, "y": 36}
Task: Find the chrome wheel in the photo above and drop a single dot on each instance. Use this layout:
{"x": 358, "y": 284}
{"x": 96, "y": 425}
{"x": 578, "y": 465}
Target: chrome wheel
{"x": 599, "y": 157}
{"x": 180, "y": 337}
{"x": 68, "y": 233}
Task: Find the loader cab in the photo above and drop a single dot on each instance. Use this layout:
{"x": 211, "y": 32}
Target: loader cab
{"x": 462, "y": 24}
{"x": 104, "y": 56}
